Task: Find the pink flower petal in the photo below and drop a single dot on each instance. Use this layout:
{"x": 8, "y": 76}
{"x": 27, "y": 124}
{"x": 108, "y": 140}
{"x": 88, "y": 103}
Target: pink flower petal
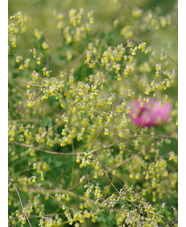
{"x": 151, "y": 114}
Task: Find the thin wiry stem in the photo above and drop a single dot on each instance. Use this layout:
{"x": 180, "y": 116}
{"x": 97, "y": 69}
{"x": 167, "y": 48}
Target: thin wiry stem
{"x": 109, "y": 178}
{"x": 98, "y": 149}
{"x": 134, "y": 136}
{"x": 15, "y": 224}
{"x": 22, "y": 82}
{"x": 20, "y": 201}
{"x": 43, "y": 150}
{"x": 47, "y": 191}
{"x": 140, "y": 152}
{"x": 24, "y": 120}
{"x": 58, "y": 122}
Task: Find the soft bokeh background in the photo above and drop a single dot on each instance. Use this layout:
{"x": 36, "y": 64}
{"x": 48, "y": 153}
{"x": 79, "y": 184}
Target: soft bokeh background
{"x": 40, "y": 12}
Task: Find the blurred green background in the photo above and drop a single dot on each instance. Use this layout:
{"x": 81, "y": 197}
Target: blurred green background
{"x": 40, "y": 12}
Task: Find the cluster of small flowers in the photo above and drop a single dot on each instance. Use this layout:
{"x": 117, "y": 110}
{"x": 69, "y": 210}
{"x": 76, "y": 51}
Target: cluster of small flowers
{"x": 151, "y": 21}
{"x": 50, "y": 87}
{"x": 82, "y": 100}
{"x": 65, "y": 197}
{"x": 48, "y": 221}
{"x": 92, "y": 189}
{"x": 153, "y": 175}
{"x": 21, "y": 132}
{"x": 79, "y": 30}
{"x": 163, "y": 79}
{"x": 33, "y": 205}
{"x": 118, "y": 59}
{"x": 41, "y": 167}
{"x": 54, "y": 87}
{"x": 146, "y": 21}
{"x": 134, "y": 209}
{"x": 40, "y": 37}
{"x": 16, "y": 25}
{"x": 24, "y": 62}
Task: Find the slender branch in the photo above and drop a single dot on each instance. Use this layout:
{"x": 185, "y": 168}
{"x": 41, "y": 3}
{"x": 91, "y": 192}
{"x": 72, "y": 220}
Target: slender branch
{"x": 109, "y": 178}
{"x": 176, "y": 63}
{"x": 29, "y": 170}
{"x": 112, "y": 18}
{"x": 15, "y": 224}
{"x": 75, "y": 61}
{"x": 36, "y": 95}
{"x": 44, "y": 216}
{"x": 73, "y": 160}
{"x": 43, "y": 150}
{"x": 46, "y": 191}
{"x": 20, "y": 201}
{"x": 19, "y": 81}
{"x": 76, "y": 153}
{"x": 49, "y": 130}
{"x": 24, "y": 120}
{"x": 134, "y": 136}
{"x": 140, "y": 152}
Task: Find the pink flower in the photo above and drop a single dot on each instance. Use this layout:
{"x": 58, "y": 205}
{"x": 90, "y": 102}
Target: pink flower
{"x": 149, "y": 114}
